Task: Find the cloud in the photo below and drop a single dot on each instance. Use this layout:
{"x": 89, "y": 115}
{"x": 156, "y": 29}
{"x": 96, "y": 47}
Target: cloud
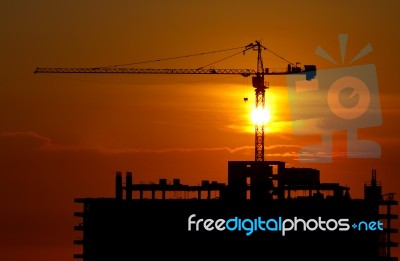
{"x": 31, "y": 141}
{"x": 319, "y": 156}
{"x": 22, "y": 141}
{"x": 183, "y": 150}
{"x": 275, "y": 150}
{"x": 19, "y": 142}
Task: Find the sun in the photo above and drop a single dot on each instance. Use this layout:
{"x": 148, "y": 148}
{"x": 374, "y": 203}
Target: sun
{"x": 260, "y": 116}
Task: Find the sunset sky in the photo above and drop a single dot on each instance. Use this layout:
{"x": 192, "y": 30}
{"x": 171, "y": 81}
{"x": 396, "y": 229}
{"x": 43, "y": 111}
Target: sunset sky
{"x": 64, "y": 136}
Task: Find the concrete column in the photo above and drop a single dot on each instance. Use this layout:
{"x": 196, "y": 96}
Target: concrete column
{"x": 128, "y": 186}
{"x": 118, "y": 185}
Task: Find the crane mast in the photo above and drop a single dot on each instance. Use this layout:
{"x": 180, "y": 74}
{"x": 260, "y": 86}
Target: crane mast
{"x": 260, "y": 87}
{"x": 257, "y": 81}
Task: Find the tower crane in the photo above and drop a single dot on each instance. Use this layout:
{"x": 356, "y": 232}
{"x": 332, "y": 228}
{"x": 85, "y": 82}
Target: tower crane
{"x": 257, "y": 75}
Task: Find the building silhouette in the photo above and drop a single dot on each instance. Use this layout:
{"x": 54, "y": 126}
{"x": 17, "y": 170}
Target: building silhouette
{"x": 172, "y": 220}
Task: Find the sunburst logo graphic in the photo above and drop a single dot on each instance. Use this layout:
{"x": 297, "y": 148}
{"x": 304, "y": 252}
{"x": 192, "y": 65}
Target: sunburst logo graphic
{"x": 343, "y": 46}
{"x": 344, "y": 98}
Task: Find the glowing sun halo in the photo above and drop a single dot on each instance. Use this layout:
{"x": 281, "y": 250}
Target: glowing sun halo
{"x": 260, "y": 116}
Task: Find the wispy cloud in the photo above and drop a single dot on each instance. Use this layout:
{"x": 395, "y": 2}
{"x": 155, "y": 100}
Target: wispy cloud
{"x": 35, "y": 142}
{"x": 227, "y": 149}
{"x": 23, "y": 141}
{"x": 319, "y": 156}
{"x": 169, "y": 150}
{"x": 26, "y": 134}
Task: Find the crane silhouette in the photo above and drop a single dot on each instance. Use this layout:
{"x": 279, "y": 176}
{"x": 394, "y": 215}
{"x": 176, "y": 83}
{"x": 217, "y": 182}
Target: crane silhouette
{"x": 257, "y": 75}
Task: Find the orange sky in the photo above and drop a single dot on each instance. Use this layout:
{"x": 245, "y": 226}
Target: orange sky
{"x": 64, "y": 136}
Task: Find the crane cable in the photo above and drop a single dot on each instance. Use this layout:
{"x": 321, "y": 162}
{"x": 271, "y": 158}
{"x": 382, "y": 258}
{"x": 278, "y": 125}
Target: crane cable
{"x": 247, "y": 47}
{"x": 198, "y": 54}
{"x": 172, "y": 58}
{"x": 219, "y": 60}
{"x": 281, "y": 57}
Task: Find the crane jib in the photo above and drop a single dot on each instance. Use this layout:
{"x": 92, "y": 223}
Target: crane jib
{"x": 243, "y": 72}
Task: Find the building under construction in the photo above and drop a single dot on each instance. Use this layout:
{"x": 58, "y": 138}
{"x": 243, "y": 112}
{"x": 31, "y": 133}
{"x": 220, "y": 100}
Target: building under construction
{"x": 265, "y": 211}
